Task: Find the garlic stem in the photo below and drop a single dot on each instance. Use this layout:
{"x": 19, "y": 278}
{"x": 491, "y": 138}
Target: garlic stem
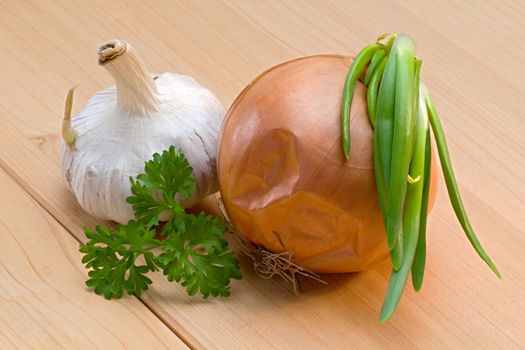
{"x": 136, "y": 90}
{"x": 69, "y": 135}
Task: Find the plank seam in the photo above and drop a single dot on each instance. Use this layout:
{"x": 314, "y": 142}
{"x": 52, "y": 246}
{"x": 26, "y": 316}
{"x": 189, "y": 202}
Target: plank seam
{"x": 21, "y": 183}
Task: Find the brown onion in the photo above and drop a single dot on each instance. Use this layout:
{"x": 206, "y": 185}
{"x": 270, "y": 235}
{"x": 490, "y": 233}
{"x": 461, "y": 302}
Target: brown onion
{"x": 284, "y": 180}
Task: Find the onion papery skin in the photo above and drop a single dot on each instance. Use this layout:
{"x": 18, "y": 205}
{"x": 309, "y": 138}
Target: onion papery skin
{"x": 283, "y": 177}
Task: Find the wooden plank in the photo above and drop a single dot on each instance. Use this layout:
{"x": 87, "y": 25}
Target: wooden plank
{"x": 43, "y": 299}
{"x": 169, "y": 38}
{"x": 225, "y": 44}
{"x": 348, "y": 307}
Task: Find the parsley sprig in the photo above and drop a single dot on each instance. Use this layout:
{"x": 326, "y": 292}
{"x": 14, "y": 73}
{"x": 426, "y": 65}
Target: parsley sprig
{"x": 193, "y": 251}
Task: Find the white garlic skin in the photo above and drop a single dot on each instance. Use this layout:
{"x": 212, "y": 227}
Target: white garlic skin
{"x": 112, "y": 143}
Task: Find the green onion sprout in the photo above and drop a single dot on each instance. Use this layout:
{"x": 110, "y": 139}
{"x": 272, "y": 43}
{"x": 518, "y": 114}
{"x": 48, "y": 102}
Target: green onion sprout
{"x": 402, "y": 113}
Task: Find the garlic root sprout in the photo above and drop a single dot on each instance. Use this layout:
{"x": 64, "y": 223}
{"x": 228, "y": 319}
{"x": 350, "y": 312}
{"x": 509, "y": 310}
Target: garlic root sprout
{"x": 69, "y": 135}
{"x": 122, "y": 126}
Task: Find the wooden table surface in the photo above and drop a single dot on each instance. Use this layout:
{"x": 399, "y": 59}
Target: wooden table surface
{"x": 473, "y": 54}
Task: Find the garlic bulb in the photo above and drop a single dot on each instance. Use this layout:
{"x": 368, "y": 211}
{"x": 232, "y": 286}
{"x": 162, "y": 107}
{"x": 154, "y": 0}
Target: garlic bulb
{"x": 122, "y": 126}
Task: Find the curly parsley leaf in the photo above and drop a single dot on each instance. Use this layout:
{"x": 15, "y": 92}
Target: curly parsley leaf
{"x": 199, "y": 257}
{"x": 112, "y": 257}
{"x": 194, "y": 251}
{"x": 153, "y": 192}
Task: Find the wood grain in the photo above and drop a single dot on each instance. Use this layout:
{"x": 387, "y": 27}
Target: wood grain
{"x": 473, "y": 65}
{"x": 43, "y": 299}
